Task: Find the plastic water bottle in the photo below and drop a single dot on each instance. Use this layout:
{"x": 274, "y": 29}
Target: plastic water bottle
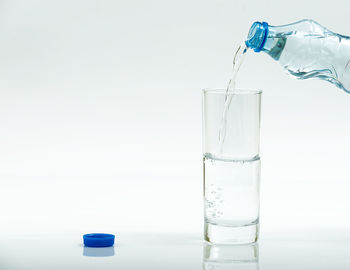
{"x": 305, "y": 49}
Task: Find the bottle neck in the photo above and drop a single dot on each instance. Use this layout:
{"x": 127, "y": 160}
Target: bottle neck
{"x": 275, "y": 42}
{"x": 269, "y": 39}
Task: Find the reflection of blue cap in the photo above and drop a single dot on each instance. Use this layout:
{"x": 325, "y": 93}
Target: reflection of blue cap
{"x": 257, "y": 36}
{"x": 98, "y": 252}
{"x": 98, "y": 240}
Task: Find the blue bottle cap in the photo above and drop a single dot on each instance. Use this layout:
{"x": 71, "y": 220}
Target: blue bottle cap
{"x": 257, "y": 36}
{"x": 98, "y": 240}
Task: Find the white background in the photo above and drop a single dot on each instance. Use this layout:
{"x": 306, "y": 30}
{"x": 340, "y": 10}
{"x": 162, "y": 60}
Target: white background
{"x": 100, "y": 116}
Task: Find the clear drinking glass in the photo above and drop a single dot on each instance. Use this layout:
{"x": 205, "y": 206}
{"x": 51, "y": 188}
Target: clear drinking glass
{"x": 231, "y": 166}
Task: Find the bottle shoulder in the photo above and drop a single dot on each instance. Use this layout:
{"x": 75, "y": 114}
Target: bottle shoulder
{"x": 305, "y": 27}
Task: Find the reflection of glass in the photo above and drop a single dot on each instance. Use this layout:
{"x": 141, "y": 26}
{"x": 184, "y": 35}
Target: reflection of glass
{"x": 231, "y": 165}
{"x": 98, "y": 252}
{"x": 233, "y": 257}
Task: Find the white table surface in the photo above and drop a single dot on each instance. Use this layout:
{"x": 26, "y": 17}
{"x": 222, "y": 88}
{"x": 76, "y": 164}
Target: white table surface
{"x": 165, "y": 251}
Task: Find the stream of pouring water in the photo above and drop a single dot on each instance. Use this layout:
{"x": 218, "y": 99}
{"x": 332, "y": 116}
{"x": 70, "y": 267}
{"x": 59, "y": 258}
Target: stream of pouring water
{"x": 237, "y": 62}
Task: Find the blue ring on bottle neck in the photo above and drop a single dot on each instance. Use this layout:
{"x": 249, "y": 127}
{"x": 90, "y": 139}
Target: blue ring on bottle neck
{"x": 266, "y": 32}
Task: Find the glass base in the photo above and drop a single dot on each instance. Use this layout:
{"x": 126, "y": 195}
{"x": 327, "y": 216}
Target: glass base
{"x": 217, "y": 234}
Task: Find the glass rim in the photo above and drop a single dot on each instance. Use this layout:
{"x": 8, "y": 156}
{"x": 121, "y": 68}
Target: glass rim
{"x": 239, "y": 91}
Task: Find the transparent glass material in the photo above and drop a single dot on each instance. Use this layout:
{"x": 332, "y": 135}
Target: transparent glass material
{"x": 231, "y": 167}
{"x": 238, "y": 257}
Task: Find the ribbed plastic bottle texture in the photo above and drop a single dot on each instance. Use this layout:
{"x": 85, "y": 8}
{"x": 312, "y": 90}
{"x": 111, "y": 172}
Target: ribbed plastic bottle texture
{"x": 306, "y": 50}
